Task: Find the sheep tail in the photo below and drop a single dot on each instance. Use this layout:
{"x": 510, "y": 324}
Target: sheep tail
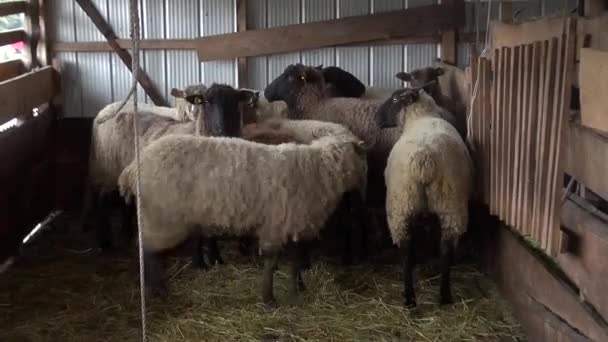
{"x": 424, "y": 165}
{"x": 126, "y": 182}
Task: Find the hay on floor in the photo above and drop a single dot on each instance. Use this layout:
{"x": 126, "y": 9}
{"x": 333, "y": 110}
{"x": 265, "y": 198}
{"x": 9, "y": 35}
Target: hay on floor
{"x": 63, "y": 290}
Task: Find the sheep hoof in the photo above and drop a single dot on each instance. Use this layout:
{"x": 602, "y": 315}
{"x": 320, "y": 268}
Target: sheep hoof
{"x": 446, "y": 300}
{"x": 410, "y": 303}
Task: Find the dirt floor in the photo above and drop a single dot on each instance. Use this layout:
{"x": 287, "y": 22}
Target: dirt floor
{"x": 63, "y": 290}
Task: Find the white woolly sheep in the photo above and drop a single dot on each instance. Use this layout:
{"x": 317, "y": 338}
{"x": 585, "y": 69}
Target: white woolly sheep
{"x": 429, "y": 170}
{"x": 279, "y": 194}
{"x": 112, "y": 144}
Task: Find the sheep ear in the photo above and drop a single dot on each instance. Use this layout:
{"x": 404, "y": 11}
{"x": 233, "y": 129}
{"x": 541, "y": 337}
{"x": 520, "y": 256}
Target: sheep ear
{"x": 439, "y": 71}
{"x": 360, "y": 147}
{"x": 247, "y": 95}
{"x": 404, "y": 76}
{"x": 319, "y": 67}
{"x": 178, "y": 93}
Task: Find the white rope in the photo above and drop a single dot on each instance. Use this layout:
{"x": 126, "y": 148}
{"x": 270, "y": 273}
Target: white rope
{"x": 476, "y": 86}
{"x": 135, "y": 36}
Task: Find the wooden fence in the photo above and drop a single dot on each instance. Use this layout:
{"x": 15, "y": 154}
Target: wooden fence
{"x": 519, "y": 118}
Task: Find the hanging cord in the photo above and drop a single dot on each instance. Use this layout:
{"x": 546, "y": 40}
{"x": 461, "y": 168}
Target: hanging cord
{"x": 135, "y": 37}
{"x": 476, "y": 86}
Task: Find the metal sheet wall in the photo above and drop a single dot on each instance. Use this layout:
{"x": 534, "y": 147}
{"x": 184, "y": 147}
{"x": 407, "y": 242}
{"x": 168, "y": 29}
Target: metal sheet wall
{"x": 94, "y": 79}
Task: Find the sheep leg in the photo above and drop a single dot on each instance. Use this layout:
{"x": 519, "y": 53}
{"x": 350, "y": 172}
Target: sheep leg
{"x": 270, "y": 265}
{"x": 89, "y": 202}
{"x": 214, "y": 252}
{"x": 301, "y": 261}
{"x": 407, "y": 259}
{"x": 198, "y": 260}
{"x": 103, "y": 223}
{"x": 153, "y": 275}
{"x": 358, "y": 229}
{"x": 447, "y": 252}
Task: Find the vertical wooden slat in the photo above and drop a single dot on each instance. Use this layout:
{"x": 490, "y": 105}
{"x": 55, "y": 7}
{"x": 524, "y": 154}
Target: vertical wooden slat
{"x": 486, "y": 122}
{"x": 510, "y": 129}
{"x": 568, "y": 70}
{"x": 524, "y": 131}
{"x": 545, "y": 124}
{"x": 536, "y": 139}
{"x": 517, "y": 131}
{"x": 496, "y": 91}
{"x": 550, "y": 185}
{"x": 503, "y": 141}
{"x": 241, "y": 26}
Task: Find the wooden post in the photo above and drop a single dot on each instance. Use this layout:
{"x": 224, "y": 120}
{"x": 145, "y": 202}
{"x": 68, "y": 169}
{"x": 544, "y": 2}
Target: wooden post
{"x": 505, "y": 12}
{"x": 32, "y": 29}
{"x": 449, "y": 40}
{"x": 102, "y": 25}
{"x": 595, "y": 7}
{"x": 44, "y": 52}
{"x": 241, "y": 26}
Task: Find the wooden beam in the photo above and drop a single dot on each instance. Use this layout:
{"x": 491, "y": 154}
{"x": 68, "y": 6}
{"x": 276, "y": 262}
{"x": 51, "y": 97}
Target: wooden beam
{"x": 587, "y": 263}
{"x": 44, "y": 52}
{"x": 241, "y": 26}
{"x": 22, "y": 94}
{"x": 10, "y": 69}
{"x": 11, "y": 37}
{"x": 586, "y": 157}
{"x": 529, "y": 281}
{"x": 449, "y": 51}
{"x": 389, "y": 25}
{"x": 12, "y": 7}
{"x": 106, "y": 30}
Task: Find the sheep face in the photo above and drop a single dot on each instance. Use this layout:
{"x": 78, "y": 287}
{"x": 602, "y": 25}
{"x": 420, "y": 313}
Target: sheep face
{"x": 249, "y": 108}
{"x": 293, "y": 81}
{"x": 221, "y": 105}
{"x": 192, "y": 96}
{"x": 422, "y": 78}
{"x": 392, "y": 111}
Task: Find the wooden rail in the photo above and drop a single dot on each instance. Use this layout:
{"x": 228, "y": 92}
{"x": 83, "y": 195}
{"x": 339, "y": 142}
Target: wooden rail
{"x": 21, "y": 94}
{"x": 11, "y": 37}
{"x": 519, "y": 125}
{"x": 12, "y": 7}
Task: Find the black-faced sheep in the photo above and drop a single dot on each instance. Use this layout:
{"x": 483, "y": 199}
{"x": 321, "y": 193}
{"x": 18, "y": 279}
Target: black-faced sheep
{"x": 278, "y": 194}
{"x": 112, "y": 144}
{"x": 429, "y": 170}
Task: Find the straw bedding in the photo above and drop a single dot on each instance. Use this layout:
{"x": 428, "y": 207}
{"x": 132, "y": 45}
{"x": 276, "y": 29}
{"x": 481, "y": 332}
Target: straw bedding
{"x": 61, "y": 290}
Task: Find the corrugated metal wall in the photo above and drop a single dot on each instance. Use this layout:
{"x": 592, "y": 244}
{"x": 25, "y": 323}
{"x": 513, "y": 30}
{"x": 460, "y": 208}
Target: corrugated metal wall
{"x": 93, "y": 79}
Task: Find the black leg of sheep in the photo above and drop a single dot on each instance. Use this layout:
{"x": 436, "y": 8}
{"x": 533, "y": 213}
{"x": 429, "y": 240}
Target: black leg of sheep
{"x": 129, "y": 221}
{"x": 447, "y": 253}
{"x": 153, "y": 275}
{"x": 198, "y": 260}
{"x": 213, "y": 252}
{"x": 103, "y": 223}
{"x": 407, "y": 251}
{"x": 270, "y": 266}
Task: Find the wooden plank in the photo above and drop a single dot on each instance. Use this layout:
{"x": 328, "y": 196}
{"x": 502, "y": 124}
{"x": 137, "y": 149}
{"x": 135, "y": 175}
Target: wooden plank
{"x": 486, "y": 87}
{"x": 497, "y": 90}
{"x": 593, "y": 80}
{"x": 12, "y": 7}
{"x": 587, "y": 265}
{"x": 102, "y": 25}
{"x": 241, "y": 26}
{"x": 10, "y": 69}
{"x": 524, "y": 138}
{"x": 21, "y": 94}
{"x": 545, "y": 138}
{"x": 540, "y": 114}
{"x": 12, "y": 36}
{"x": 527, "y": 280}
{"x": 595, "y": 7}
{"x": 510, "y": 131}
{"x": 387, "y": 25}
{"x": 586, "y": 157}
{"x": 516, "y": 129}
{"x": 597, "y": 29}
{"x": 503, "y": 144}
{"x": 569, "y": 72}
{"x": 508, "y": 34}
{"x": 44, "y": 52}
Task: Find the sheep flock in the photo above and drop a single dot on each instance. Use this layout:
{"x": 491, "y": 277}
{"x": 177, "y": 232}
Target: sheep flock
{"x": 315, "y": 151}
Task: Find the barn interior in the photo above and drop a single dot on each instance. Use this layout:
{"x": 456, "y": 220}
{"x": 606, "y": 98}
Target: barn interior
{"x": 528, "y": 74}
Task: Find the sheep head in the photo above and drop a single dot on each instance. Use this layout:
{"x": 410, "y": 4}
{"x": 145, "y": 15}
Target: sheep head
{"x": 423, "y": 76}
{"x": 188, "y": 101}
{"x": 222, "y": 107}
{"x": 295, "y": 80}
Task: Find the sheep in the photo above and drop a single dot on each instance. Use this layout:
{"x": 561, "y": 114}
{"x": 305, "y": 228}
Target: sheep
{"x": 112, "y": 144}
{"x": 456, "y": 107}
{"x": 187, "y": 101}
{"x": 232, "y": 192}
{"x": 341, "y": 83}
{"x": 429, "y": 170}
